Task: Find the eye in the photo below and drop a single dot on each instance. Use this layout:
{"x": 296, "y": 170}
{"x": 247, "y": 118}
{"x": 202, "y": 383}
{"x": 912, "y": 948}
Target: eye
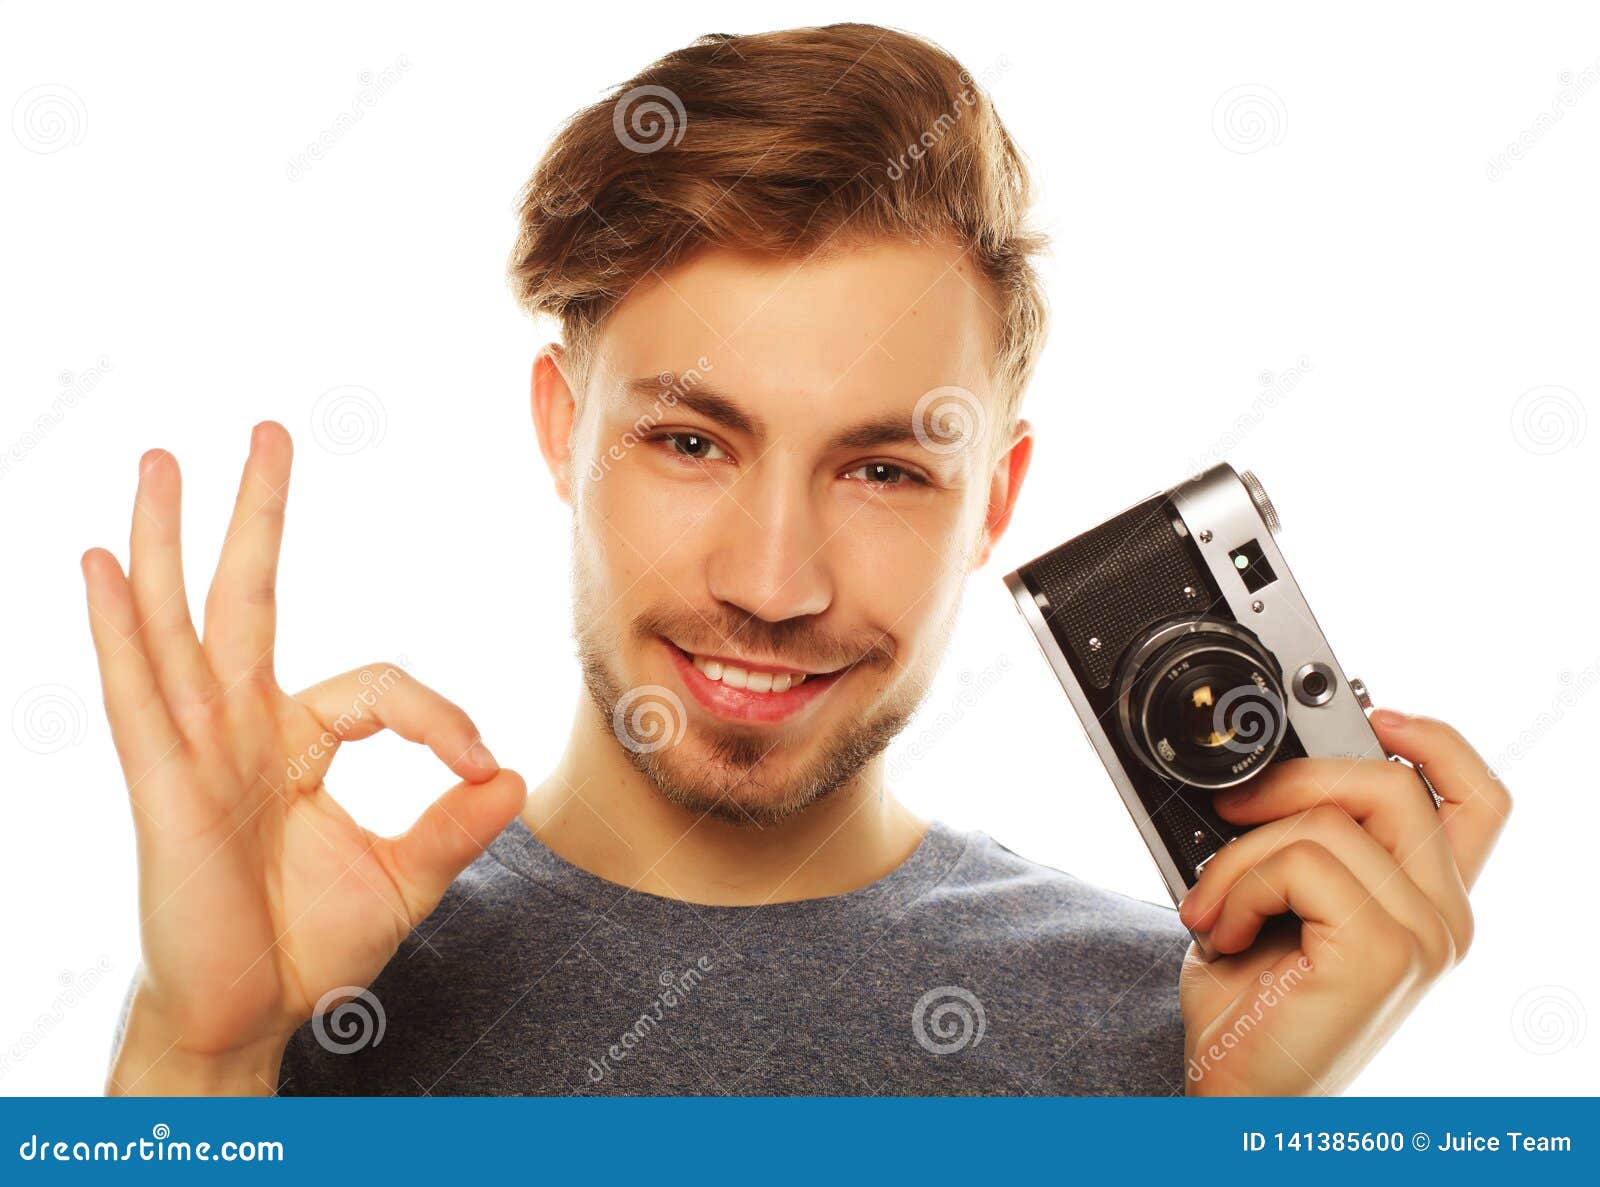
{"x": 885, "y": 474}
{"x": 693, "y": 446}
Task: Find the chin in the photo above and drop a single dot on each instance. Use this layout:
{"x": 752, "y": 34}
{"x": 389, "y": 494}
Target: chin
{"x": 752, "y": 775}
{"x": 738, "y": 779}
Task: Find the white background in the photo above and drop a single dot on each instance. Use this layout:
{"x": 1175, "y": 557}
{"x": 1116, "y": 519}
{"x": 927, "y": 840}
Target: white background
{"x": 1440, "y": 519}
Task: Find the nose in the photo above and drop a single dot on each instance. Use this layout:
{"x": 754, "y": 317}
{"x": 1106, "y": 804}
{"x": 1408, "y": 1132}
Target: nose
{"x": 769, "y": 556}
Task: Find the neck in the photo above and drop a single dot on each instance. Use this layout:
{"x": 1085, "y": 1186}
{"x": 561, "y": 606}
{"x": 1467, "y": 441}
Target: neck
{"x": 599, "y": 812}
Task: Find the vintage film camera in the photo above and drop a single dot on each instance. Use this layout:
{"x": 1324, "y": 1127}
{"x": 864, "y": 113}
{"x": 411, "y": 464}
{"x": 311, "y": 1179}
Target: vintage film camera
{"x": 1191, "y": 658}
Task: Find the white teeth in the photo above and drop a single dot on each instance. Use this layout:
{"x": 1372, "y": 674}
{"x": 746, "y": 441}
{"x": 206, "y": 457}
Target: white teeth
{"x": 742, "y": 678}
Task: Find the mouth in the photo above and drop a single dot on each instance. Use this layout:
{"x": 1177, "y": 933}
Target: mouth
{"x": 750, "y": 693}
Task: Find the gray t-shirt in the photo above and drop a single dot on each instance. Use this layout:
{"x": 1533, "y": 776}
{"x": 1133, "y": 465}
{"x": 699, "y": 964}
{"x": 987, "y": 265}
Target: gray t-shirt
{"x": 967, "y": 970}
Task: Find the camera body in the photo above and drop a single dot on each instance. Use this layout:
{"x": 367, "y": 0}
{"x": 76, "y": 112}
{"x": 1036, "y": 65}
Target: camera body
{"x": 1191, "y": 658}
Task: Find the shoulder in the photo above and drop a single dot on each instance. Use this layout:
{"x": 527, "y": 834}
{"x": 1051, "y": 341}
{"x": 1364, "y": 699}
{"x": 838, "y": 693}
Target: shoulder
{"x": 989, "y": 885}
{"x": 1079, "y": 984}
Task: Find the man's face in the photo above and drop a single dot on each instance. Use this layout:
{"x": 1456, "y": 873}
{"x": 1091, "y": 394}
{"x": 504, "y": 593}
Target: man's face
{"x": 780, "y": 475}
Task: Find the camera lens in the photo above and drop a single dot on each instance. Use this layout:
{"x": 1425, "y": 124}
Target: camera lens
{"x": 1200, "y": 701}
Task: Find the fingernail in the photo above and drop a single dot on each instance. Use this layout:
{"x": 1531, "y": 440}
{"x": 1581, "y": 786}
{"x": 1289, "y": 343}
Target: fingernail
{"x": 1389, "y": 717}
{"x": 479, "y": 756}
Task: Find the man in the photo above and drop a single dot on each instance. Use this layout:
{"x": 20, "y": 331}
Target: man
{"x": 792, "y": 274}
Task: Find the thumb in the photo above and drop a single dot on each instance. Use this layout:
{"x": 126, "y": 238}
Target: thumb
{"x": 446, "y": 838}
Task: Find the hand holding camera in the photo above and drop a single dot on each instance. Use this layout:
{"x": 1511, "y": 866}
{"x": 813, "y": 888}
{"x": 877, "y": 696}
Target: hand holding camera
{"x": 1262, "y": 788}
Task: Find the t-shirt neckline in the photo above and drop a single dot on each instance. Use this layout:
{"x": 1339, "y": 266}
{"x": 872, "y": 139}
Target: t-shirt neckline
{"x": 524, "y": 854}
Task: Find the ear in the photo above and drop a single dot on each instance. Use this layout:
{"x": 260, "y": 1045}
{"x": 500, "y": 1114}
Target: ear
{"x": 554, "y": 411}
{"x": 1004, "y": 486}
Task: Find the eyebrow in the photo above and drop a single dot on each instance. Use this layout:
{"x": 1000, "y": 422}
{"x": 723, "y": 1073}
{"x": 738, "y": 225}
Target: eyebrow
{"x": 887, "y": 429}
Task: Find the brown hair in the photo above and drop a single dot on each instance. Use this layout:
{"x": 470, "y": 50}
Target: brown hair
{"x": 792, "y": 141}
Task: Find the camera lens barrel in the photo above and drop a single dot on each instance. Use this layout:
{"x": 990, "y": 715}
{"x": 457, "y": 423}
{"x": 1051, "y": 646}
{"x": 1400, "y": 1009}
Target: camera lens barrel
{"x": 1201, "y": 702}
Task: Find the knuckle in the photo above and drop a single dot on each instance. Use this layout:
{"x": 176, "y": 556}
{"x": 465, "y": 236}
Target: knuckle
{"x": 1410, "y": 956}
{"x": 1418, "y": 956}
{"x": 1305, "y": 856}
{"x": 1219, "y": 870}
{"x": 1499, "y": 797}
{"x": 202, "y": 717}
{"x": 1328, "y": 819}
{"x": 174, "y": 625}
{"x": 1438, "y": 948}
{"x": 1451, "y": 735}
{"x": 257, "y": 685}
{"x": 1465, "y": 931}
{"x": 1404, "y": 947}
{"x": 1442, "y": 729}
{"x": 385, "y": 673}
{"x": 138, "y": 707}
{"x": 1395, "y": 955}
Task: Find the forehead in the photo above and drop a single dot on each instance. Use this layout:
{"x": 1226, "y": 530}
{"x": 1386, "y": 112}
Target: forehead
{"x": 811, "y": 342}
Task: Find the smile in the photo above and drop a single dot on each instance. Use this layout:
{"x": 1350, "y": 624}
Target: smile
{"x": 746, "y": 691}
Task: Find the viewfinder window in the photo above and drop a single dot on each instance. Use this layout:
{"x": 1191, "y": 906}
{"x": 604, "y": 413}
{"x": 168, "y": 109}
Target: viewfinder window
{"x": 1252, "y": 566}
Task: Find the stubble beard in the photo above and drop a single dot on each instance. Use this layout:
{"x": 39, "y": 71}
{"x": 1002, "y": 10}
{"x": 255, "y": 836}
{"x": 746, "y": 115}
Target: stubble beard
{"x": 734, "y": 774}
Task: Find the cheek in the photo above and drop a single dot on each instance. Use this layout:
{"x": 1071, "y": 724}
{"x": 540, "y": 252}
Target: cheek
{"x": 896, "y": 573}
{"x": 639, "y": 528}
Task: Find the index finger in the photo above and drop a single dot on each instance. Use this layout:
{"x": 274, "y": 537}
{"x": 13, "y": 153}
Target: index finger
{"x": 360, "y": 702}
{"x": 1476, "y": 804}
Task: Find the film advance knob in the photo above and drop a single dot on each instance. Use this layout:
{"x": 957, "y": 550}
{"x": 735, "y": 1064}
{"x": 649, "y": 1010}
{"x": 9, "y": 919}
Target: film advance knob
{"x": 1258, "y": 496}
